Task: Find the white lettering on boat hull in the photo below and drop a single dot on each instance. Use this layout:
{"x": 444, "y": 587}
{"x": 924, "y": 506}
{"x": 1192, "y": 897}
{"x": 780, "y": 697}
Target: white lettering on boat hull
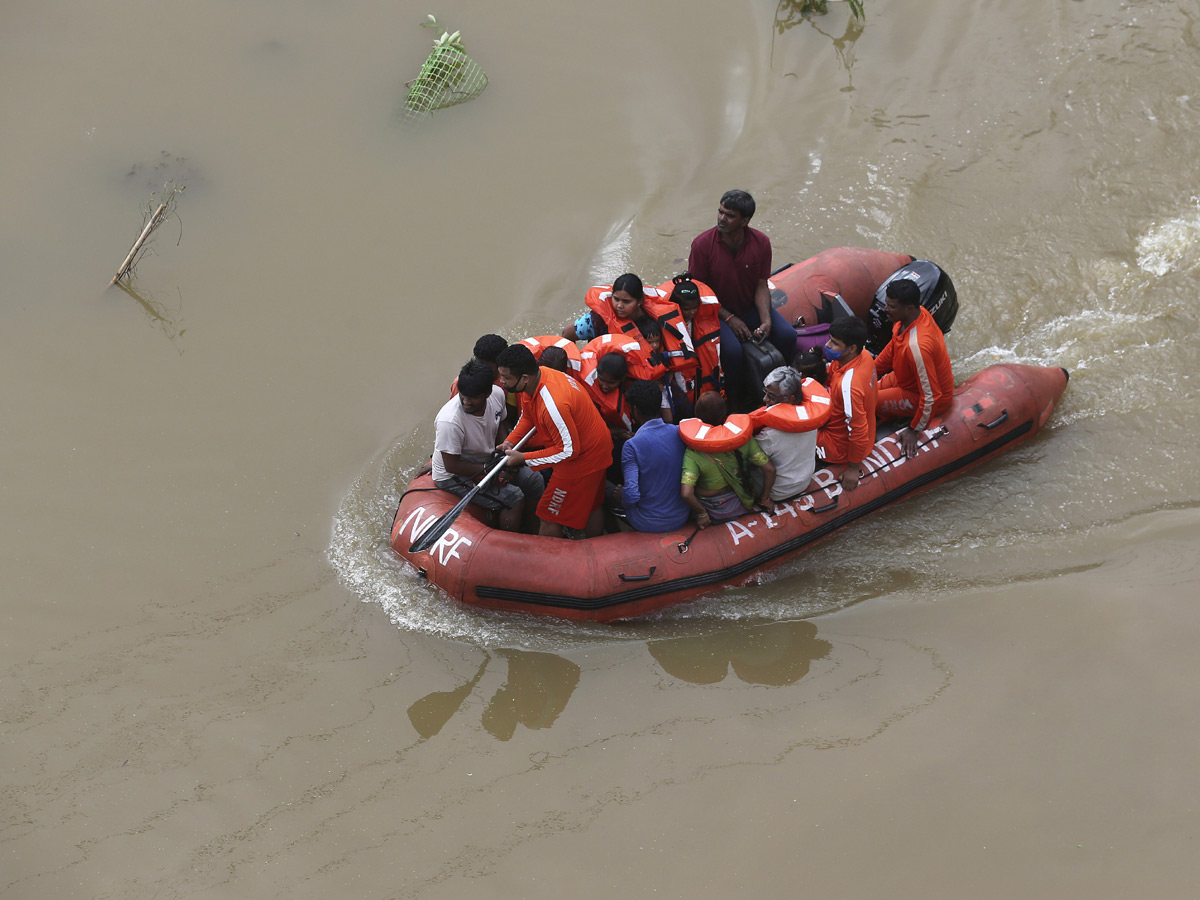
{"x": 825, "y": 488}
{"x": 447, "y": 545}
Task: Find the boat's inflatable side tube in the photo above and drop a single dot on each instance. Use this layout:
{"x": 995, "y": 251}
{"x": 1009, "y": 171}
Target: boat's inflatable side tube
{"x": 836, "y": 282}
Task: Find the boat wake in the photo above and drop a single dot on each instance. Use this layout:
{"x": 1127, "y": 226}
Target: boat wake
{"x": 1173, "y": 246}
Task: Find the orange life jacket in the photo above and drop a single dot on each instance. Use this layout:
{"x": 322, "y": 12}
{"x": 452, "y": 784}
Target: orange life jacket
{"x": 656, "y": 305}
{"x": 612, "y": 405}
{"x": 795, "y": 417}
{"x": 537, "y": 344}
{"x": 634, "y": 351}
{"x": 698, "y": 358}
{"x": 736, "y": 432}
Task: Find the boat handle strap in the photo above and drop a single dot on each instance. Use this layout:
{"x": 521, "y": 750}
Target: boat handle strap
{"x": 1000, "y": 421}
{"x": 645, "y": 577}
{"x": 827, "y": 507}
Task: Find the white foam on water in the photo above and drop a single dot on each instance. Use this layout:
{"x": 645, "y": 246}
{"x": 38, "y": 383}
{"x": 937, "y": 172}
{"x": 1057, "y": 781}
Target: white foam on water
{"x": 1173, "y": 245}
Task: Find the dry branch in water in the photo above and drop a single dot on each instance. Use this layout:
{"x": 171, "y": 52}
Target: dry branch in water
{"x": 162, "y": 211}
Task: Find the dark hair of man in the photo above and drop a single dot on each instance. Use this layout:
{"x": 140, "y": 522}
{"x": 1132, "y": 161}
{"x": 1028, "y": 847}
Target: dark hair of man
{"x": 475, "y": 379}
{"x": 488, "y": 347}
{"x": 711, "y": 409}
{"x": 630, "y": 284}
{"x": 740, "y": 202}
{"x": 849, "y": 330}
{"x": 554, "y": 358}
{"x": 905, "y": 292}
{"x": 650, "y": 328}
{"x": 613, "y": 365}
{"x": 645, "y": 399}
{"x": 518, "y": 359}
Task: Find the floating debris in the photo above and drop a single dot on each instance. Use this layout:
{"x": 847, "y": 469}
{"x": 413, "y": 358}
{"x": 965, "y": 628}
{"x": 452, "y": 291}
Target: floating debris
{"x": 160, "y": 208}
{"x": 448, "y": 77}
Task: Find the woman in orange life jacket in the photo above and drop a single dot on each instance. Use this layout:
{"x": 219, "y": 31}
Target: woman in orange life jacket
{"x": 811, "y": 364}
{"x": 630, "y": 310}
{"x": 612, "y": 309}
{"x": 717, "y": 481}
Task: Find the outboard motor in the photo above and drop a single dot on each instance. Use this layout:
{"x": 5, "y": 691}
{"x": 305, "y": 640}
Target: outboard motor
{"x": 937, "y": 295}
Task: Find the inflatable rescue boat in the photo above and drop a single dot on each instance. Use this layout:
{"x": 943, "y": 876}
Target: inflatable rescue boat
{"x": 627, "y": 574}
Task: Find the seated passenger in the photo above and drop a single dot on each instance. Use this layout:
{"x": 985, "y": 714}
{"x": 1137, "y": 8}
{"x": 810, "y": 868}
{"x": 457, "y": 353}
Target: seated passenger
{"x": 673, "y": 384}
{"x": 487, "y": 348}
{"x": 786, "y": 428}
{"x": 849, "y": 435}
{"x": 697, "y": 358}
{"x": 915, "y": 379}
{"x": 564, "y": 354}
{"x": 652, "y": 462}
{"x": 735, "y": 261}
{"x": 604, "y": 379}
{"x": 718, "y": 484}
{"x": 811, "y": 364}
{"x": 612, "y": 310}
{"x": 465, "y": 433}
{"x": 555, "y": 358}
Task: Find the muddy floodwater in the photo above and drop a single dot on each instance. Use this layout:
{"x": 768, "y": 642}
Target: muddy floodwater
{"x": 219, "y": 682}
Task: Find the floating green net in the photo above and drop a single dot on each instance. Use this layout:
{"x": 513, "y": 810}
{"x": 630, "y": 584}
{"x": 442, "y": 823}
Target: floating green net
{"x": 448, "y": 77}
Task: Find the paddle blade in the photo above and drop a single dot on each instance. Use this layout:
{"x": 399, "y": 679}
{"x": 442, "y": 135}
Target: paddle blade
{"x": 434, "y": 532}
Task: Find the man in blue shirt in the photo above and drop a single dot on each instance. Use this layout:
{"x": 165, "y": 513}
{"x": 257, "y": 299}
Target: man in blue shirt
{"x": 651, "y": 461}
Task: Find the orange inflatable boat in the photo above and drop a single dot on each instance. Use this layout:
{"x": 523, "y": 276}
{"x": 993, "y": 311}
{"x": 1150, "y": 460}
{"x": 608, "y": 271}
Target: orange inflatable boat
{"x": 619, "y": 576}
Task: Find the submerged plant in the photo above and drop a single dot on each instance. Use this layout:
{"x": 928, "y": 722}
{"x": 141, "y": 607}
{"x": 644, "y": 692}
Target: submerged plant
{"x": 790, "y": 12}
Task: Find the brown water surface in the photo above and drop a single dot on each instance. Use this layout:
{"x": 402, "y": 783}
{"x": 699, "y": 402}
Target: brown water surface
{"x": 218, "y": 681}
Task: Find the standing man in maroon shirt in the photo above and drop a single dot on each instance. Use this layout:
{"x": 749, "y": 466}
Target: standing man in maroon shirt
{"x": 735, "y": 261}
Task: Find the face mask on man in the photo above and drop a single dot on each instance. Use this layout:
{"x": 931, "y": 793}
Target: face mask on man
{"x": 833, "y": 355}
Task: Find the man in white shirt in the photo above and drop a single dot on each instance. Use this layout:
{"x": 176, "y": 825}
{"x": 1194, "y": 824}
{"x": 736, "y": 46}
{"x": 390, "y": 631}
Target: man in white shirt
{"x": 465, "y": 433}
{"x": 793, "y": 453}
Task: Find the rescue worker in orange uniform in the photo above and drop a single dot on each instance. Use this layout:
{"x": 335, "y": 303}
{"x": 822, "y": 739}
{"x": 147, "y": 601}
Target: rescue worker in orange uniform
{"x": 849, "y": 435}
{"x": 915, "y": 379}
{"x": 577, "y": 443}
